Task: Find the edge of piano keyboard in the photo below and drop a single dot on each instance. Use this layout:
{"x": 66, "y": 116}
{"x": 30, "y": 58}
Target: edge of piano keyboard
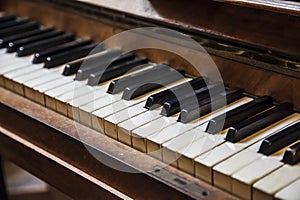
{"x": 23, "y": 128}
{"x": 229, "y": 53}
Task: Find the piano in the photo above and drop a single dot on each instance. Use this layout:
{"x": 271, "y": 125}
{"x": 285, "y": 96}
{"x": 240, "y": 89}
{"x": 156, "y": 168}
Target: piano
{"x": 149, "y": 99}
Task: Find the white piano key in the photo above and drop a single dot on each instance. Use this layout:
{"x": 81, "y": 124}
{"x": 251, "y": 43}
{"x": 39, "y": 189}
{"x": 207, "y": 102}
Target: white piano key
{"x": 108, "y": 108}
{"x": 2, "y": 51}
{"x": 24, "y": 70}
{"x": 33, "y": 68}
{"x": 139, "y": 135}
{"x": 155, "y": 141}
{"x": 12, "y": 58}
{"x": 14, "y": 80}
{"x": 290, "y": 192}
{"x": 102, "y": 100}
{"x": 76, "y": 91}
{"x": 98, "y": 117}
{"x": 52, "y": 84}
{"x": 184, "y": 140}
{"x": 8, "y": 58}
{"x": 27, "y": 77}
{"x": 223, "y": 171}
{"x": 13, "y": 66}
{"x": 125, "y": 128}
{"x": 37, "y": 92}
{"x": 17, "y": 84}
{"x": 266, "y": 187}
{"x": 100, "y": 110}
{"x": 42, "y": 79}
{"x": 205, "y": 162}
{"x": 110, "y": 123}
{"x": 89, "y": 113}
{"x": 242, "y": 181}
{"x": 245, "y": 177}
{"x": 50, "y": 95}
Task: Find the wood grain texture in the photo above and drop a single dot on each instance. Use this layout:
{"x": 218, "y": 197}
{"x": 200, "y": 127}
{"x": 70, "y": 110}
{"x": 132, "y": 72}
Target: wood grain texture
{"x": 254, "y": 80}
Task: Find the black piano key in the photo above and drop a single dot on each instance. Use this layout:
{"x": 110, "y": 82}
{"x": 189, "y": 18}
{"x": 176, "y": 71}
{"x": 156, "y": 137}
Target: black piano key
{"x": 116, "y": 71}
{"x": 240, "y": 113}
{"x": 18, "y": 29}
{"x": 204, "y": 107}
{"x": 101, "y": 63}
{"x": 6, "y": 18}
{"x": 64, "y": 57}
{"x": 140, "y": 89}
{"x": 158, "y": 99}
{"x": 174, "y": 105}
{"x": 145, "y": 76}
{"x": 12, "y": 23}
{"x": 85, "y": 72}
{"x": 253, "y": 124}
{"x": 292, "y": 154}
{"x": 4, "y": 41}
{"x": 280, "y": 139}
{"x": 74, "y": 67}
{"x": 89, "y": 62}
{"x": 41, "y": 56}
{"x": 13, "y": 46}
{"x": 44, "y": 44}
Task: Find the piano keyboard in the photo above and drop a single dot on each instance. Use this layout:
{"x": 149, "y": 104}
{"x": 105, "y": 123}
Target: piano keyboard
{"x": 255, "y": 154}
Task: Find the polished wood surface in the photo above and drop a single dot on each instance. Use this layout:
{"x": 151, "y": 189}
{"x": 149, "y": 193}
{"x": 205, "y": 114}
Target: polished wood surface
{"x": 250, "y": 21}
{"x": 257, "y": 76}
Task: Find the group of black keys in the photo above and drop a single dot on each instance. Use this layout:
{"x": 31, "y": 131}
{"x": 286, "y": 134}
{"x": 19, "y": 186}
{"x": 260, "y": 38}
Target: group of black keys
{"x": 54, "y": 48}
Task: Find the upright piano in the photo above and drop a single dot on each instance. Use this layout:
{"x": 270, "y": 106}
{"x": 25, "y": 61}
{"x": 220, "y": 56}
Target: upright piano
{"x": 147, "y": 99}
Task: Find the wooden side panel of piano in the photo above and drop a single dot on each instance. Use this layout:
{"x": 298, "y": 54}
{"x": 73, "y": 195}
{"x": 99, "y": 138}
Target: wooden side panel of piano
{"x": 279, "y": 79}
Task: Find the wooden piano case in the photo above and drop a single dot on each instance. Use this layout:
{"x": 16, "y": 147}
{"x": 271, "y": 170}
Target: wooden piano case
{"x": 48, "y": 145}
